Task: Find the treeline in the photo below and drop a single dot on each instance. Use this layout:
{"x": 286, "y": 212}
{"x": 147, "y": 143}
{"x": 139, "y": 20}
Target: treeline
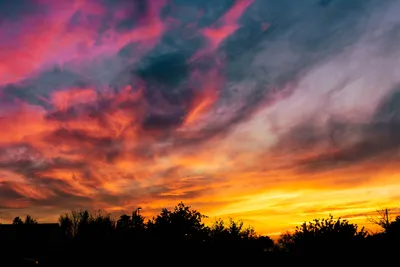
{"x": 180, "y": 237}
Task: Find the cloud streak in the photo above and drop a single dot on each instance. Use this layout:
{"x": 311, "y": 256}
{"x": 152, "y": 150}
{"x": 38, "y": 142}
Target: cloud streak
{"x": 236, "y": 107}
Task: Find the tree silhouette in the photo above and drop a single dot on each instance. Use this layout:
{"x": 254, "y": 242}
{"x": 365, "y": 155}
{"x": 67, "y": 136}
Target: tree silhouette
{"x": 124, "y": 222}
{"x": 233, "y": 231}
{"x": 182, "y": 223}
{"x": 393, "y": 229}
{"x": 137, "y": 220}
{"x": 71, "y": 223}
{"x": 30, "y": 220}
{"x": 66, "y": 225}
{"x": 384, "y": 219}
{"x": 265, "y": 243}
{"x": 17, "y": 221}
{"x": 322, "y": 237}
{"x": 218, "y": 231}
{"x": 235, "y": 228}
{"x": 83, "y": 224}
{"x": 182, "y": 232}
{"x": 391, "y": 235}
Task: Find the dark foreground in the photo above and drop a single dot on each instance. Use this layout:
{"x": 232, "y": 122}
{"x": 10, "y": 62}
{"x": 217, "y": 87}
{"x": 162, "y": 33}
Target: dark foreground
{"x": 179, "y": 238}
{"x": 173, "y": 255}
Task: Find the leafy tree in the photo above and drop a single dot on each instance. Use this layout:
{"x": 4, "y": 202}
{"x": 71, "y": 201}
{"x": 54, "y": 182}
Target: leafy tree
{"x": 322, "y": 236}
{"x": 235, "y": 228}
{"x": 393, "y": 229}
{"x": 182, "y": 223}
{"x": 67, "y": 225}
{"x": 17, "y": 221}
{"x": 265, "y": 243}
{"x": 84, "y": 224}
{"x": 137, "y": 220}
{"x": 30, "y": 220}
{"x": 72, "y": 222}
{"x": 124, "y": 222}
{"x": 248, "y": 233}
{"x": 218, "y": 231}
{"x": 101, "y": 224}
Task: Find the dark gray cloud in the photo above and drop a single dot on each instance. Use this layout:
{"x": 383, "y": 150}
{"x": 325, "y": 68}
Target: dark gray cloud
{"x": 7, "y": 193}
{"x": 11, "y": 199}
{"x": 14, "y": 10}
{"x": 165, "y": 70}
{"x": 63, "y": 201}
{"x": 36, "y": 90}
{"x": 30, "y": 167}
{"x": 298, "y": 39}
{"x": 189, "y": 11}
{"x": 377, "y": 140}
{"x": 83, "y": 142}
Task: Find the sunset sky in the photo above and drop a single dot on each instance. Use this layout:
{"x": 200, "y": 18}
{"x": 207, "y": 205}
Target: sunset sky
{"x": 271, "y": 111}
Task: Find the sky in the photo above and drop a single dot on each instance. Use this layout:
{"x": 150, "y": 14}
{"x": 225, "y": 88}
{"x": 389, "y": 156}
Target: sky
{"x": 273, "y": 112}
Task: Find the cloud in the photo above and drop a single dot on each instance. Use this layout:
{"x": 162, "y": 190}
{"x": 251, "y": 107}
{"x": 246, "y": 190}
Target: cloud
{"x": 349, "y": 143}
{"x": 115, "y": 105}
{"x": 9, "y": 196}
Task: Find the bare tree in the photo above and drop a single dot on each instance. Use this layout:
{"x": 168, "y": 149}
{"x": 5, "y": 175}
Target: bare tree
{"x": 382, "y": 219}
